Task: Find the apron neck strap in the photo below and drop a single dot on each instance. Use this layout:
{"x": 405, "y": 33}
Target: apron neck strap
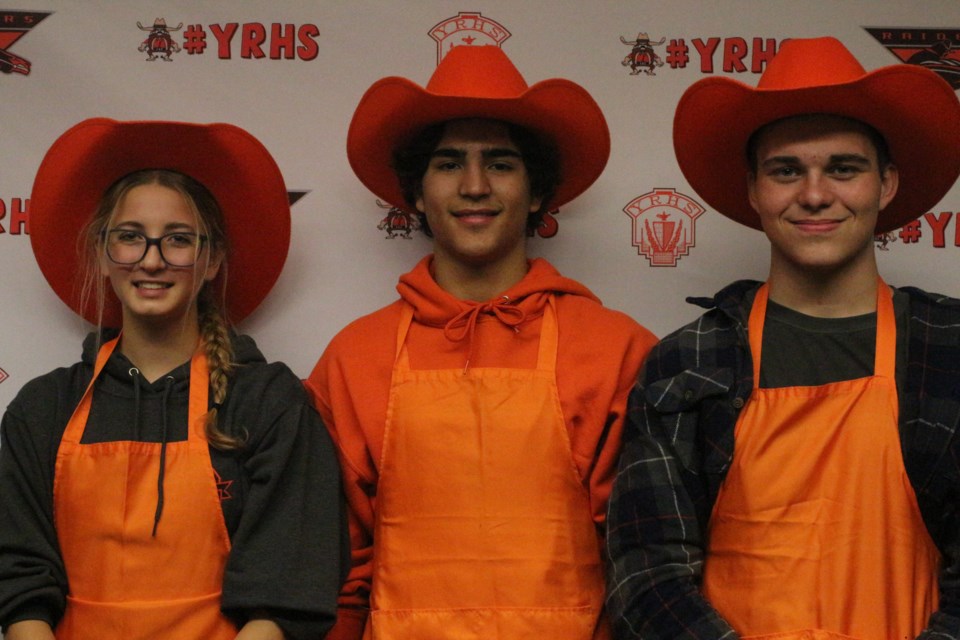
{"x": 886, "y": 342}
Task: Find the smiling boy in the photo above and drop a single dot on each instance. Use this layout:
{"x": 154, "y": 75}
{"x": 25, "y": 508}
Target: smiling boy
{"x": 791, "y": 462}
{"x": 478, "y": 418}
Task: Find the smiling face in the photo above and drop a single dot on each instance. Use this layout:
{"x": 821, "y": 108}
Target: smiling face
{"x": 151, "y": 290}
{"x": 818, "y": 189}
{"x": 476, "y": 197}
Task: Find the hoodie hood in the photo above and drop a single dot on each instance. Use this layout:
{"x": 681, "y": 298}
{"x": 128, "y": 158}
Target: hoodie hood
{"x": 436, "y": 307}
{"x": 128, "y": 407}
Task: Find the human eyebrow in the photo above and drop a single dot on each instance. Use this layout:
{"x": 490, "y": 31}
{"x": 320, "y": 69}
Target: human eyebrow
{"x": 449, "y": 152}
{"x": 776, "y": 161}
{"x": 177, "y": 226}
{"x": 850, "y": 158}
{"x": 501, "y": 152}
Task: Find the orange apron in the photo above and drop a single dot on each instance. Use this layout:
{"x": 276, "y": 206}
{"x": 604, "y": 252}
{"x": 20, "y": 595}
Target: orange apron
{"x": 125, "y": 583}
{"x": 483, "y": 527}
{"x": 816, "y": 532}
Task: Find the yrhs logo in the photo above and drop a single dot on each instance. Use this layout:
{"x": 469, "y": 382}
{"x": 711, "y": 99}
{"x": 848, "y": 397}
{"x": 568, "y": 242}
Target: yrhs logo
{"x": 467, "y": 28}
{"x": 664, "y": 225}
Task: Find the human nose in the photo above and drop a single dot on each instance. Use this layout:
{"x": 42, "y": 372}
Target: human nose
{"x": 815, "y": 192}
{"x": 152, "y": 259}
{"x": 474, "y": 182}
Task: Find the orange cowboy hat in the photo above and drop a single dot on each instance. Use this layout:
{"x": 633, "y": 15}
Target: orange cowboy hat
{"x": 477, "y": 82}
{"x": 237, "y": 169}
{"x": 911, "y": 107}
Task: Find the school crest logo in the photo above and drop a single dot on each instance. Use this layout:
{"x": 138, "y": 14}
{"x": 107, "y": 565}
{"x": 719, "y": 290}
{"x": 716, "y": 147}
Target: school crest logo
{"x": 935, "y": 49}
{"x": 664, "y": 225}
{"x": 467, "y": 28}
{"x": 13, "y": 26}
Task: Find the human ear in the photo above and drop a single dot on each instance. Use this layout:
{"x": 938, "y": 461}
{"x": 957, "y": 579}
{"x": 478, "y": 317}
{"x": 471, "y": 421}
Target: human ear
{"x": 889, "y": 182}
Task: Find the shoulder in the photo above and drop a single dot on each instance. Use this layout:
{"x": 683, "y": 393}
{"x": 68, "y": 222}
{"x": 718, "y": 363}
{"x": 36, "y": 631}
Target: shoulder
{"x": 708, "y": 355}
{"x": 366, "y": 336}
{"x": 47, "y": 391}
{"x": 41, "y": 409}
{"x": 359, "y": 354}
{"x": 257, "y": 381}
{"x": 266, "y": 384}
{"x": 934, "y": 344}
{"x": 595, "y": 323}
{"x": 925, "y": 304}
{"x": 934, "y": 320}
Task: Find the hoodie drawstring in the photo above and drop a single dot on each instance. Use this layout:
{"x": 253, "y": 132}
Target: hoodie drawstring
{"x": 463, "y": 325}
{"x": 135, "y": 373}
{"x": 163, "y": 453}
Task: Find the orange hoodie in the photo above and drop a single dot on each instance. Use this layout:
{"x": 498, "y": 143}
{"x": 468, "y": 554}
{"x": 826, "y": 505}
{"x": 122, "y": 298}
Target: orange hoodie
{"x": 600, "y": 353}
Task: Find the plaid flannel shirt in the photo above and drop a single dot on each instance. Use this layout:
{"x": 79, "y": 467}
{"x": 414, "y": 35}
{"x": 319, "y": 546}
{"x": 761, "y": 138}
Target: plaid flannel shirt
{"x": 678, "y": 445}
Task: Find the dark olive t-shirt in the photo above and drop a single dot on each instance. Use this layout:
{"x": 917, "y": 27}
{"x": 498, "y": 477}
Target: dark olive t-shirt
{"x": 801, "y": 350}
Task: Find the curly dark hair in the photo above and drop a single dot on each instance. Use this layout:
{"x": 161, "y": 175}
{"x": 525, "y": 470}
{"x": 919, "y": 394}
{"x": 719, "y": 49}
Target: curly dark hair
{"x": 410, "y": 162}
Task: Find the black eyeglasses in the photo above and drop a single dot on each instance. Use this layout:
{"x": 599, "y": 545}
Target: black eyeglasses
{"x": 177, "y": 249}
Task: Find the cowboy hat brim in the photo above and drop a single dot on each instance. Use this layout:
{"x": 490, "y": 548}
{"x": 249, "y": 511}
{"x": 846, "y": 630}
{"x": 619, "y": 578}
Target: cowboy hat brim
{"x": 233, "y": 165}
{"x": 395, "y": 109}
{"x": 912, "y": 108}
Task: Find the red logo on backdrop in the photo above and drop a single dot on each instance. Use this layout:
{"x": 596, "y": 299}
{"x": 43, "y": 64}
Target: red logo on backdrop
{"x": 935, "y": 49}
{"x": 397, "y": 222}
{"x": 159, "y": 44}
{"x": 664, "y": 225}
{"x": 13, "y": 26}
{"x": 3, "y": 375}
{"x": 709, "y": 54}
{"x": 642, "y": 57}
{"x": 229, "y": 40}
{"x": 467, "y": 28}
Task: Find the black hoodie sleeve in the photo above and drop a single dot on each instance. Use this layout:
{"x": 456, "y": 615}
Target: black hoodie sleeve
{"x": 33, "y": 583}
{"x": 286, "y": 549}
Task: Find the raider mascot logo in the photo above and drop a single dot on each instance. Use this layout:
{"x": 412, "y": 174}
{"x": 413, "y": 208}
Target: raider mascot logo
{"x": 13, "y": 26}
{"x": 935, "y": 49}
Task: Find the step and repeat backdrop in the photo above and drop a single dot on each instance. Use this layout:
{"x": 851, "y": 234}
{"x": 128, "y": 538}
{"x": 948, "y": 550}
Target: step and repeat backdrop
{"x": 292, "y": 71}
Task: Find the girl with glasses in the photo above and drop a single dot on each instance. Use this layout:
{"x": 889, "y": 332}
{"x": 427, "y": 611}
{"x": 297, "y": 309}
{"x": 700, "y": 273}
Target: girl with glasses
{"x": 172, "y": 484}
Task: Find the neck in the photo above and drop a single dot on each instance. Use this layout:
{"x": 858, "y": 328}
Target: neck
{"x": 156, "y": 348}
{"x": 478, "y": 283}
{"x": 838, "y": 293}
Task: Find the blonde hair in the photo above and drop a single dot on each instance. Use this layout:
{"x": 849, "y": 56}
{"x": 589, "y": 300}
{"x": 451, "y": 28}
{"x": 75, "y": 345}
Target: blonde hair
{"x": 211, "y": 303}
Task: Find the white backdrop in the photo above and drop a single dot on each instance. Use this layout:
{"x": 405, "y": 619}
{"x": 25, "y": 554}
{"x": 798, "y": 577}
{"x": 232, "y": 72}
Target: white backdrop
{"x": 84, "y": 62}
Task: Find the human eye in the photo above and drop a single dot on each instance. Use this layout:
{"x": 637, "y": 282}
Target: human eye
{"x": 783, "y": 172}
{"x": 444, "y": 164}
{"x": 844, "y": 170}
{"x": 180, "y": 240}
{"x": 503, "y": 166}
{"x": 126, "y": 236}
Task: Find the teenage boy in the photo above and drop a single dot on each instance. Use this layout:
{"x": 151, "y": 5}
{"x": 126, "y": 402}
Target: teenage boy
{"x": 478, "y": 417}
{"x": 811, "y": 491}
